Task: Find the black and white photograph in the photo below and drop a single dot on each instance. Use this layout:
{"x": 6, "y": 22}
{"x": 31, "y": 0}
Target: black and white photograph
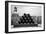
{"x": 25, "y": 16}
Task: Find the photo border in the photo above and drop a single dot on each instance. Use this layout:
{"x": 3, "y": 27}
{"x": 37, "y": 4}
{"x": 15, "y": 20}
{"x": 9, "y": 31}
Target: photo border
{"x": 6, "y": 16}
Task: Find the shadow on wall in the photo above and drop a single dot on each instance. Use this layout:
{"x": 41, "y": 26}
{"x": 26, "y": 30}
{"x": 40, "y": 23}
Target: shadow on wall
{"x": 10, "y": 33}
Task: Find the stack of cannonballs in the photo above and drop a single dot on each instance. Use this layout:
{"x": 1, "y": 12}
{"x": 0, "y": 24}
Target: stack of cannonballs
{"x": 26, "y": 19}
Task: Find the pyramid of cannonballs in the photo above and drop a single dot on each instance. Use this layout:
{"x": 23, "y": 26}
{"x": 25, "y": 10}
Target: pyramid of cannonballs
{"x": 26, "y": 19}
